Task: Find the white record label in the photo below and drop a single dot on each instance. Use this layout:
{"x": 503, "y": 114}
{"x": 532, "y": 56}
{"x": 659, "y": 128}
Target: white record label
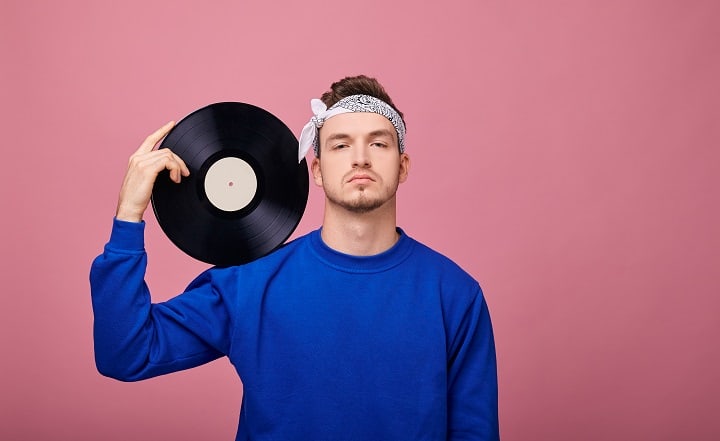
{"x": 230, "y": 184}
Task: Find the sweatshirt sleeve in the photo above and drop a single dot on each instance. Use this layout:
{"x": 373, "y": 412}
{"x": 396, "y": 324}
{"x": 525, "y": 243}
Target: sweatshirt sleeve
{"x": 135, "y": 339}
{"x": 472, "y": 378}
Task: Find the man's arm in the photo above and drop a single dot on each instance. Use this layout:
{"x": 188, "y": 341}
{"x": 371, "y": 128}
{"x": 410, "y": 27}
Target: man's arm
{"x": 472, "y": 378}
{"x": 134, "y": 338}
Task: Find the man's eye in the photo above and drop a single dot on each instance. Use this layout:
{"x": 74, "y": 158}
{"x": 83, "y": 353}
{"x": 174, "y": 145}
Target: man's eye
{"x": 379, "y": 144}
{"x": 340, "y": 146}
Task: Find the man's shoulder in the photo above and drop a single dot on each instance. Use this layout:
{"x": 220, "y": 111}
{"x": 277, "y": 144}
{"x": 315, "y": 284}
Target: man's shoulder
{"x": 431, "y": 259}
{"x": 282, "y": 253}
{"x": 284, "y": 256}
{"x": 440, "y": 275}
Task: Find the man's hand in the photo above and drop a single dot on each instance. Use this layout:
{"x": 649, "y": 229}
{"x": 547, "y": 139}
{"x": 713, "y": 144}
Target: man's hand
{"x": 143, "y": 168}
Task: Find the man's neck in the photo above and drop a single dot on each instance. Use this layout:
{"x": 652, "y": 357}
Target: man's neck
{"x": 360, "y": 234}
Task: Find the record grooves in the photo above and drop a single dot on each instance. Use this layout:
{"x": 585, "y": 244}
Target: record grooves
{"x": 246, "y": 191}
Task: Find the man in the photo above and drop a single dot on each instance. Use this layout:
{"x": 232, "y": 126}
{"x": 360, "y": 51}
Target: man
{"x": 351, "y": 332}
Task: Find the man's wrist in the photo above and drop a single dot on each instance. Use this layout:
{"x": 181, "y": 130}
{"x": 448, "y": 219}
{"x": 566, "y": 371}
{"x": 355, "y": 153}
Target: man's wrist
{"x": 128, "y": 214}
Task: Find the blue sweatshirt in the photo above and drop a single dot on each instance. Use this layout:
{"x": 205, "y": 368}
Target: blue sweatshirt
{"x": 395, "y": 346}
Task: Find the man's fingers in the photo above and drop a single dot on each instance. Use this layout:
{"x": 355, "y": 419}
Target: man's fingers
{"x": 177, "y": 167}
{"x": 155, "y": 161}
{"x": 175, "y": 171}
{"x": 155, "y": 137}
{"x": 184, "y": 170}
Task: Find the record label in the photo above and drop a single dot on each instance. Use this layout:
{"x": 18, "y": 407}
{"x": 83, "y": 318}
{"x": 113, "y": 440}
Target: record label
{"x": 230, "y": 184}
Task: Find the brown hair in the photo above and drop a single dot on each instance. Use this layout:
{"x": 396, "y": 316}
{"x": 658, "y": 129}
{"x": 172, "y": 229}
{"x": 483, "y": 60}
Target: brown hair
{"x": 357, "y": 85}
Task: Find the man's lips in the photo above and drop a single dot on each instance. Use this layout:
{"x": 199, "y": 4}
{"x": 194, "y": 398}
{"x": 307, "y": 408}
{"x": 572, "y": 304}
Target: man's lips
{"x": 360, "y": 177}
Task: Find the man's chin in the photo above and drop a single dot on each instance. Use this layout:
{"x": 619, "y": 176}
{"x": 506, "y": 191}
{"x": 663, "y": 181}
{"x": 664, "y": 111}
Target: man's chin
{"x": 364, "y": 207}
{"x": 361, "y": 205}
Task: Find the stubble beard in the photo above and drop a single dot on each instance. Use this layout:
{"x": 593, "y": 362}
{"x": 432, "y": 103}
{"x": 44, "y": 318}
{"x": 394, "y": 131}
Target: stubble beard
{"x": 361, "y": 203}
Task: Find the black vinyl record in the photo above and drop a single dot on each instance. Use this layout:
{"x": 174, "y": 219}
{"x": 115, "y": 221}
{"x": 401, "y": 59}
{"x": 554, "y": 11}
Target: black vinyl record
{"x": 246, "y": 191}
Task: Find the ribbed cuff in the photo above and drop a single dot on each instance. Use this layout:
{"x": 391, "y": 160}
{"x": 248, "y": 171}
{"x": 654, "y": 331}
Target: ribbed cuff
{"x": 128, "y": 236}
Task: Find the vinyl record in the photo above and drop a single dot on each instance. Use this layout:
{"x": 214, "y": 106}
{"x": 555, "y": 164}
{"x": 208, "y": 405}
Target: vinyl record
{"x": 246, "y": 191}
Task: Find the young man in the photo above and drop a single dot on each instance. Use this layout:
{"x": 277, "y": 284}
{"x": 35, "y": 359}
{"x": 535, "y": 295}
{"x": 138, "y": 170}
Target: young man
{"x": 351, "y": 332}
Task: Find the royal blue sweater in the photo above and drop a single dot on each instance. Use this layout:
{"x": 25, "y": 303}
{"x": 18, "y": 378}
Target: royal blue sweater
{"x": 396, "y": 346}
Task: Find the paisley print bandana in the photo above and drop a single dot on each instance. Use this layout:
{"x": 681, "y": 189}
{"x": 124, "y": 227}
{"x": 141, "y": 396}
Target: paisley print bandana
{"x": 354, "y": 103}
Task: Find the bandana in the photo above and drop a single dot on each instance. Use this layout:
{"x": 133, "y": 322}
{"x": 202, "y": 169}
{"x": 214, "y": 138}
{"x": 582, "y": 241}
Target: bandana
{"x": 354, "y": 103}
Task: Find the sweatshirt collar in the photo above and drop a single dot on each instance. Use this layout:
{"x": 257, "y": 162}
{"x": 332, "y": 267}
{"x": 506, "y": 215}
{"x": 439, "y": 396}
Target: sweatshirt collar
{"x": 388, "y": 259}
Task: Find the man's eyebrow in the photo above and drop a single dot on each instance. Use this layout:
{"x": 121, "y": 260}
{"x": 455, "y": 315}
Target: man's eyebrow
{"x": 382, "y": 132}
{"x": 337, "y": 136}
{"x": 374, "y": 134}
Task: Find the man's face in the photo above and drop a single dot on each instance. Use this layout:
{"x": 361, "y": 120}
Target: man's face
{"x": 360, "y": 166}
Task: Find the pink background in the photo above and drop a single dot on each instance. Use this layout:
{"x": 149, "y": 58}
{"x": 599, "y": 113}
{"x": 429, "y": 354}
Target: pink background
{"x": 564, "y": 152}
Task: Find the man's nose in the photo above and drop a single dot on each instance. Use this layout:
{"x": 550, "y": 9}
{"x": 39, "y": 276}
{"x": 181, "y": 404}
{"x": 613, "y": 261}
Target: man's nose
{"x": 361, "y": 156}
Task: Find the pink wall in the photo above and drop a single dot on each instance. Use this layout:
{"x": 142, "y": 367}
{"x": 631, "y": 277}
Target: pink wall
{"x": 566, "y": 153}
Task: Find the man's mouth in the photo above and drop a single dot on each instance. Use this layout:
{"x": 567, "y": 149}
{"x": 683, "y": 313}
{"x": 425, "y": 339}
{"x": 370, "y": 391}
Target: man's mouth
{"x": 360, "y": 178}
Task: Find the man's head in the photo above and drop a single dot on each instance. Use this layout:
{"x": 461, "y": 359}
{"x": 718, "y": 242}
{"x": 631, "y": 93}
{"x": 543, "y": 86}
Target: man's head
{"x": 357, "y": 86}
{"x": 360, "y": 158}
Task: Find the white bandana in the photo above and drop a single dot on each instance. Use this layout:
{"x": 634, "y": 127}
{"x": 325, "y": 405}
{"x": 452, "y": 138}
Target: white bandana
{"x": 353, "y": 103}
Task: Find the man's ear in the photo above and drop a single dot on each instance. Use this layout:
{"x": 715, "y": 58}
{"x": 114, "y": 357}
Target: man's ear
{"x": 404, "y": 167}
{"x": 316, "y": 172}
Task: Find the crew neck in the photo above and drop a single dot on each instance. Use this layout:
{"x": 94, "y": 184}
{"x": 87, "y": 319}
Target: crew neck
{"x": 389, "y": 258}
